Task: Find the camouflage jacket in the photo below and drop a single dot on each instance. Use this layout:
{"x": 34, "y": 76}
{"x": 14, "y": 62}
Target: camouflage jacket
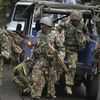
{"x": 74, "y": 38}
{"x": 42, "y": 40}
{"x": 9, "y": 41}
{"x": 3, "y": 42}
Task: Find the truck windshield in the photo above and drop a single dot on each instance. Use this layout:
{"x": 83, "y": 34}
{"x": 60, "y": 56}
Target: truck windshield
{"x": 70, "y": 1}
{"x": 18, "y": 13}
{"x": 51, "y": 15}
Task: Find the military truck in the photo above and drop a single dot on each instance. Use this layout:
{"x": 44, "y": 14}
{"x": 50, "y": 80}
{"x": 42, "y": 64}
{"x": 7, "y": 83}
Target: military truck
{"x": 17, "y": 17}
{"x": 91, "y": 79}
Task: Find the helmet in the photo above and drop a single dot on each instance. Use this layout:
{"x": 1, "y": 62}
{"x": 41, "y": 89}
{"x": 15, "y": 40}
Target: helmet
{"x": 46, "y": 21}
{"x": 76, "y": 15}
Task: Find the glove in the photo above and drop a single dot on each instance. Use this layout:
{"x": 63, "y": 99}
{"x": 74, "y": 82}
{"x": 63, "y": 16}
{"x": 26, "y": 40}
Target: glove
{"x": 5, "y": 54}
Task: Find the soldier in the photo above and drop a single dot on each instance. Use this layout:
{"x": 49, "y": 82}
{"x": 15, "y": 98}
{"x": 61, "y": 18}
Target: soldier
{"x": 75, "y": 37}
{"x": 44, "y": 69}
{"x": 98, "y": 32}
{"x": 4, "y": 51}
{"x": 8, "y": 41}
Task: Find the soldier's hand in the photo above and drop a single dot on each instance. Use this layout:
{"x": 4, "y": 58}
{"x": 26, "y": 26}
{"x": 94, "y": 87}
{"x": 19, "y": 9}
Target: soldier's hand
{"x": 28, "y": 88}
{"x": 5, "y": 54}
{"x": 17, "y": 49}
{"x": 50, "y": 47}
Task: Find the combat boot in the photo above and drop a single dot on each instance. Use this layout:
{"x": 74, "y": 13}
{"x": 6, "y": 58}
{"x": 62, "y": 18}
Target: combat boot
{"x": 68, "y": 90}
{"x": 50, "y": 97}
{"x": 36, "y": 98}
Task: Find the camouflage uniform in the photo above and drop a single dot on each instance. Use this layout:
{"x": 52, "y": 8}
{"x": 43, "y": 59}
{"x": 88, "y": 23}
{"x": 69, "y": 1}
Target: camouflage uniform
{"x": 22, "y": 74}
{"x": 8, "y": 41}
{"x": 44, "y": 70}
{"x": 4, "y": 50}
{"x": 74, "y": 39}
{"x": 15, "y": 41}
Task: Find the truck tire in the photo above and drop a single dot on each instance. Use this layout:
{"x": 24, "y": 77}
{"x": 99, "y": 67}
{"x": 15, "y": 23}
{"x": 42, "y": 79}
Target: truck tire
{"x": 79, "y": 91}
{"x": 93, "y": 88}
{"x": 98, "y": 94}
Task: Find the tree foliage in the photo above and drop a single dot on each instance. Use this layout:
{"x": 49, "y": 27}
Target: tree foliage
{"x": 5, "y": 7}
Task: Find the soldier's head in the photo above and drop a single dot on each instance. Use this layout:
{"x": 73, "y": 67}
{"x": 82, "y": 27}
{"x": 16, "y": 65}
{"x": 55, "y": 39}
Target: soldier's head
{"x": 46, "y": 24}
{"x": 75, "y": 18}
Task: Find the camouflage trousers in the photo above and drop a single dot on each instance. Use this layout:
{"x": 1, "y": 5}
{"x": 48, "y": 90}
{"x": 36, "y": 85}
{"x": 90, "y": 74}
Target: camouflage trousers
{"x": 71, "y": 57}
{"x": 41, "y": 75}
{"x": 37, "y": 78}
{"x": 21, "y": 75}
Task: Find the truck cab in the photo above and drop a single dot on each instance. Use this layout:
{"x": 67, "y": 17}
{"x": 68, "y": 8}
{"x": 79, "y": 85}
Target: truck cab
{"x": 17, "y": 17}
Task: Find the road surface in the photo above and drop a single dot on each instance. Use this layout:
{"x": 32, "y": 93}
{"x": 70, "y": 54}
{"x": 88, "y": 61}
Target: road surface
{"x": 9, "y": 91}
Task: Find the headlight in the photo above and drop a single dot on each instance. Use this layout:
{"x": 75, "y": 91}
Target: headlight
{"x": 29, "y": 43}
{"x": 27, "y": 58}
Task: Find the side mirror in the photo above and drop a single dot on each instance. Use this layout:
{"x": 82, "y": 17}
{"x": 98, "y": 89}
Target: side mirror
{"x": 18, "y": 28}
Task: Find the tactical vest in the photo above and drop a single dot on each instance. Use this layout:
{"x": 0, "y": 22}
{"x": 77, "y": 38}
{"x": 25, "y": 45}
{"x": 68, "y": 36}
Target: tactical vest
{"x": 43, "y": 40}
{"x": 71, "y": 39}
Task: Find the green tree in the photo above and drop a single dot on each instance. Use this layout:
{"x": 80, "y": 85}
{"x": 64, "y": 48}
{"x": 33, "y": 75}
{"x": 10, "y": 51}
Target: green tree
{"x": 6, "y": 6}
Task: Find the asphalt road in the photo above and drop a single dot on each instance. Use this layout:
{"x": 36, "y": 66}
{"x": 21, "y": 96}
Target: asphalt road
{"x": 9, "y": 91}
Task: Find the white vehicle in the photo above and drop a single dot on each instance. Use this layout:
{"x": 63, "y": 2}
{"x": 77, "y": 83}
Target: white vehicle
{"x": 17, "y": 15}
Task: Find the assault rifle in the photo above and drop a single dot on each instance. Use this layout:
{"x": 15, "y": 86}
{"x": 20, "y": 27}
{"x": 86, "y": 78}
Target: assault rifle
{"x": 61, "y": 62}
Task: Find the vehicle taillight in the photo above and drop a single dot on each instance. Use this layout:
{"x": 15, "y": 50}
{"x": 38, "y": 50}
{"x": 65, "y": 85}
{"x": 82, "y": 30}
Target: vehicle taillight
{"x": 98, "y": 64}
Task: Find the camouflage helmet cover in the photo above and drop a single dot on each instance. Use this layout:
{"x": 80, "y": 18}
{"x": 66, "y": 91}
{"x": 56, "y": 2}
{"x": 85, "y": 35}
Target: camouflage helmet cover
{"x": 77, "y": 15}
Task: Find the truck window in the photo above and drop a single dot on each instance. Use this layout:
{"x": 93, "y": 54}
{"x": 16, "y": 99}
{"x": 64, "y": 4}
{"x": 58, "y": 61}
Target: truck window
{"x": 70, "y": 1}
{"x": 18, "y": 13}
